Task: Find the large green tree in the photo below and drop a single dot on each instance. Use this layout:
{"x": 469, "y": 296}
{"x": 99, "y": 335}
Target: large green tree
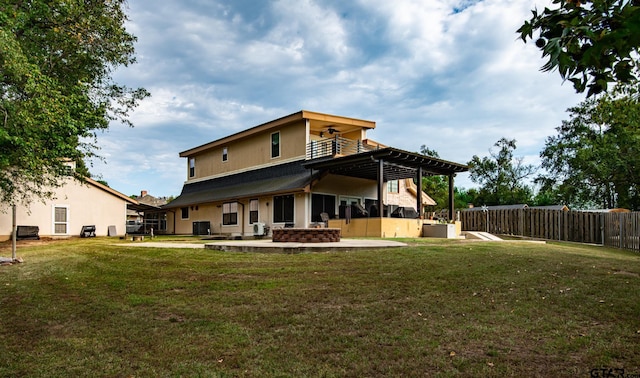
{"x": 501, "y": 176}
{"x": 590, "y": 42}
{"x": 56, "y": 89}
{"x": 593, "y": 160}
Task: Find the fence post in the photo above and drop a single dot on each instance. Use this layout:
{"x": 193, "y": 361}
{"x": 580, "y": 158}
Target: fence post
{"x": 602, "y": 219}
{"x": 620, "y": 231}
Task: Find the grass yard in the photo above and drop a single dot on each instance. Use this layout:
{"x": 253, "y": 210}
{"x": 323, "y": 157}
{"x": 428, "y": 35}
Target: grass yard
{"x": 87, "y": 307}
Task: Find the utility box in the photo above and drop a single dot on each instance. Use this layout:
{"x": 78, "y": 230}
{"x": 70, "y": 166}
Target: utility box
{"x": 439, "y": 230}
{"x": 258, "y": 229}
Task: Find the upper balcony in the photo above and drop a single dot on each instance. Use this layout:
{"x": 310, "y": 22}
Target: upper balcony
{"x": 337, "y": 146}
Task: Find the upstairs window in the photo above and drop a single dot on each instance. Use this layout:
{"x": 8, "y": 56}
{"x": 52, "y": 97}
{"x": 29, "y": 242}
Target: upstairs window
{"x": 230, "y": 213}
{"x": 275, "y": 145}
{"x": 225, "y": 154}
{"x": 192, "y": 167}
{"x": 185, "y": 212}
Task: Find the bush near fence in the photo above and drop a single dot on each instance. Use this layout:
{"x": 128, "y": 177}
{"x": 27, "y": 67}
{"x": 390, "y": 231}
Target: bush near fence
{"x": 620, "y": 230}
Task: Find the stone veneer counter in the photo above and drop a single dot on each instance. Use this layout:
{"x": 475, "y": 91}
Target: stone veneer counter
{"x": 305, "y": 235}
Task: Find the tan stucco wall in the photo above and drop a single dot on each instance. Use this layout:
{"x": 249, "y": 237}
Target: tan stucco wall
{"x": 213, "y": 214}
{"x": 251, "y": 152}
{"x": 346, "y": 186}
{"x": 87, "y": 205}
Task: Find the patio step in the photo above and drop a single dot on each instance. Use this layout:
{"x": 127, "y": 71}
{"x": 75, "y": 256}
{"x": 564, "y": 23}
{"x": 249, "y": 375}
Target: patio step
{"x": 481, "y": 236}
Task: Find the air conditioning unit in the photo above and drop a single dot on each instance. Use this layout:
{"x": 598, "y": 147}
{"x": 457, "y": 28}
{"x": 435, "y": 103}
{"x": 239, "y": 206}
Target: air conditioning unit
{"x": 259, "y": 229}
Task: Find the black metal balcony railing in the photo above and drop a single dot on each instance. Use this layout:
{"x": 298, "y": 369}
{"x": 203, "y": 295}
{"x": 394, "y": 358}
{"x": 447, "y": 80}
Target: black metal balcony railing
{"x": 335, "y": 146}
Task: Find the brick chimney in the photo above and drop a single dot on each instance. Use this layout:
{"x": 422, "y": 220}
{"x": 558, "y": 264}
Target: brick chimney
{"x": 143, "y": 193}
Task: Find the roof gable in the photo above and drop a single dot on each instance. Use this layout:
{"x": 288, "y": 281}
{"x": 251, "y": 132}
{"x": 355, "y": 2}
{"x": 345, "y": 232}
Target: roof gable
{"x": 111, "y": 191}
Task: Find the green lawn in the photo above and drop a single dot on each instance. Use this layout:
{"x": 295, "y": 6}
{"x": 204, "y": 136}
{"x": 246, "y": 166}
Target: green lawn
{"x": 435, "y": 308}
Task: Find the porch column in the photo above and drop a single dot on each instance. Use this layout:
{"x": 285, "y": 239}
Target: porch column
{"x": 380, "y": 187}
{"x": 419, "y": 193}
{"x": 451, "y": 197}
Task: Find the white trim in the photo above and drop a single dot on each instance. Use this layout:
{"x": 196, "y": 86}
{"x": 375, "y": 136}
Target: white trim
{"x": 248, "y": 169}
{"x": 307, "y": 210}
{"x": 53, "y": 219}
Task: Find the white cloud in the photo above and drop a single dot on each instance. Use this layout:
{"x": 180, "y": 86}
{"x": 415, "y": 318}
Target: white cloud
{"x": 449, "y": 74}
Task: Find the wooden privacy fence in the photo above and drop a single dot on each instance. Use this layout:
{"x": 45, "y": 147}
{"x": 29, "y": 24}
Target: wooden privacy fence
{"x": 620, "y": 230}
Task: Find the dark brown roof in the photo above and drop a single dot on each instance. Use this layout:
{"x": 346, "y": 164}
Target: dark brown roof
{"x": 282, "y": 178}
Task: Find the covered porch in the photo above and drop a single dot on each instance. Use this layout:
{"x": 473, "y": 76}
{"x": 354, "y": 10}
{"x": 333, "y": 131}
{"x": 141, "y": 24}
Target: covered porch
{"x": 383, "y": 165}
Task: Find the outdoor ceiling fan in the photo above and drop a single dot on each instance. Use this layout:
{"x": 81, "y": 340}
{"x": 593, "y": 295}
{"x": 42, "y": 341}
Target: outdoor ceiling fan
{"x": 330, "y": 130}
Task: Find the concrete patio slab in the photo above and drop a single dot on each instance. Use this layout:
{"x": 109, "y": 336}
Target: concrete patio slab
{"x": 270, "y": 246}
{"x": 267, "y": 245}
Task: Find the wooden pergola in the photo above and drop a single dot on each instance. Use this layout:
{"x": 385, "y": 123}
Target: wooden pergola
{"x": 388, "y": 164}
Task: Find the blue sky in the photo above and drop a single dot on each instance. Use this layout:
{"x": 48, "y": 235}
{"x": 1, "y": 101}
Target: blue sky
{"x": 448, "y": 74}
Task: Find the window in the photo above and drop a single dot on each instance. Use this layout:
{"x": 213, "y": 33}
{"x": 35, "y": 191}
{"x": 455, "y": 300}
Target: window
{"x": 275, "y": 145}
{"x": 322, "y": 203}
{"x": 253, "y": 211}
{"x": 157, "y": 221}
{"x": 60, "y": 220}
{"x": 283, "y": 209}
{"x": 225, "y": 154}
{"x": 192, "y": 167}
{"x": 392, "y": 186}
{"x": 185, "y": 212}
{"x": 230, "y": 213}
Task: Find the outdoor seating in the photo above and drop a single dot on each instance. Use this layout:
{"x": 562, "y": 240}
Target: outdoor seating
{"x": 88, "y": 231}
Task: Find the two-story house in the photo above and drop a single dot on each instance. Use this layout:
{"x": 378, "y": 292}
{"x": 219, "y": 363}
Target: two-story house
{"x": 298, "y": 171}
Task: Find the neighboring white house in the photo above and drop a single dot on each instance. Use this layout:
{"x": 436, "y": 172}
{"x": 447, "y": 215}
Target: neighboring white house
{"x": 74, "y": 205}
